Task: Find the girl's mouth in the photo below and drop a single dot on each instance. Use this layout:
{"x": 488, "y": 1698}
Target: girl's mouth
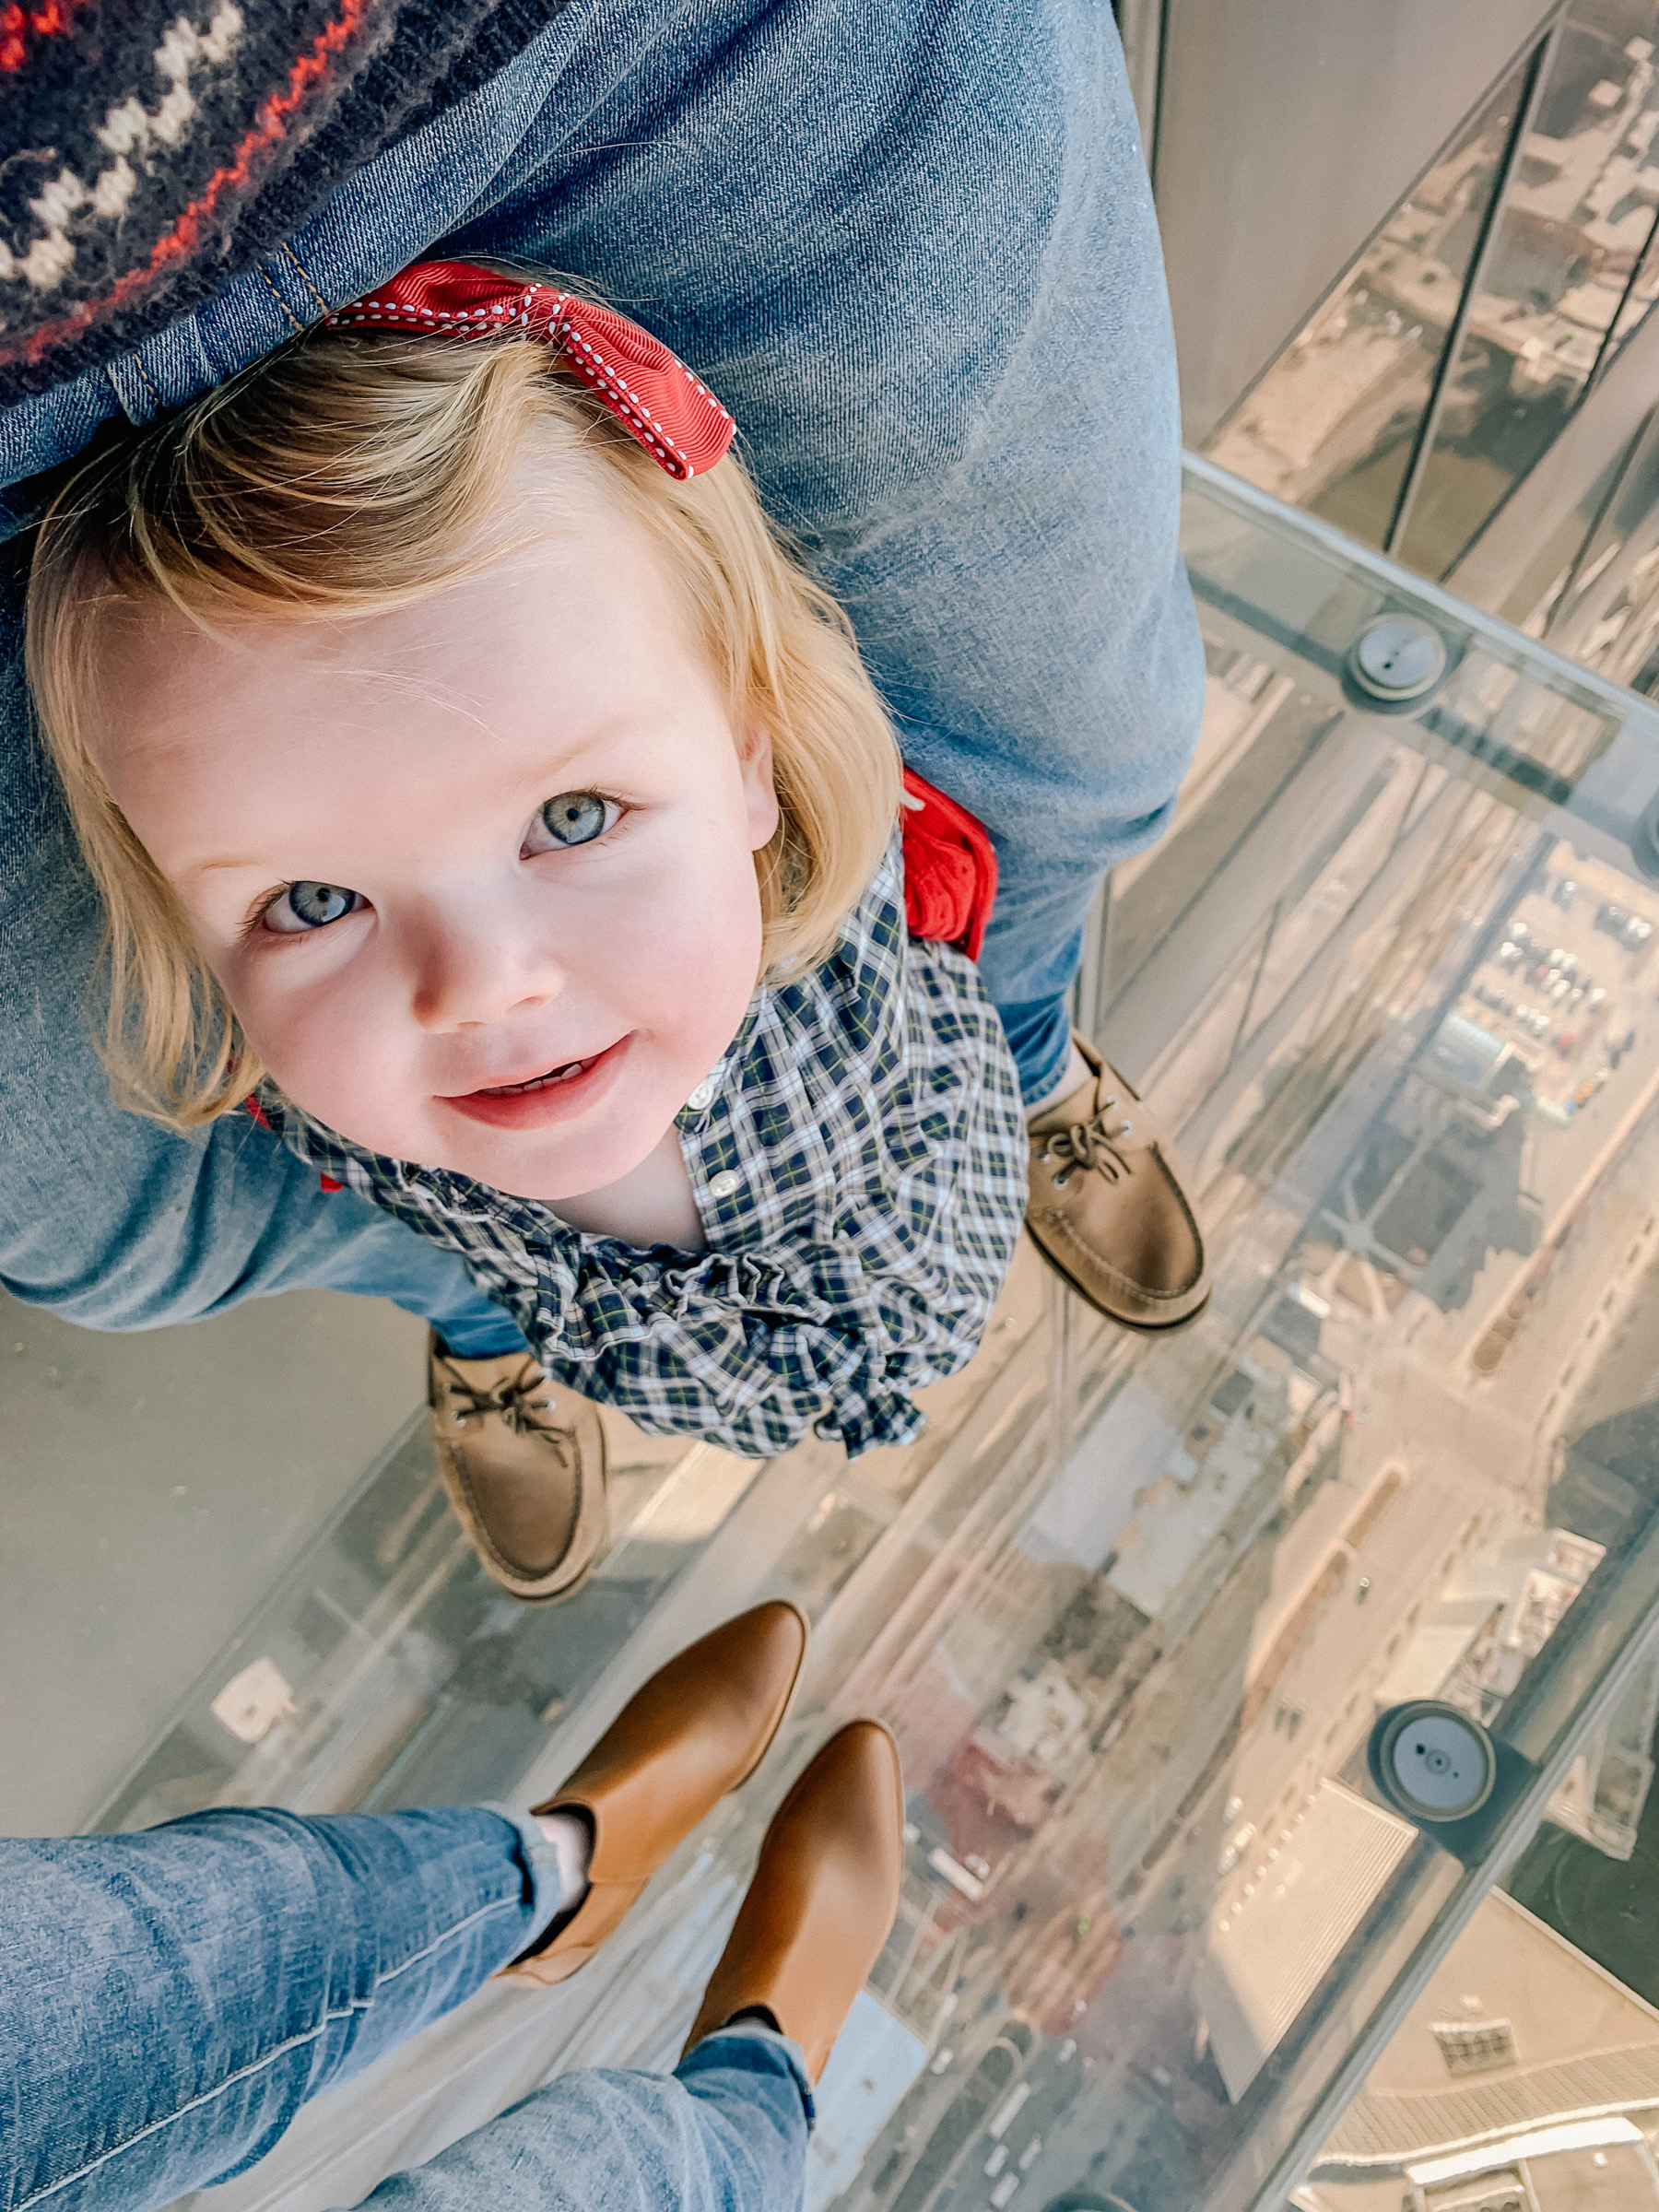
{"x": 558, "y": 1095}
{"x": 567, "y": 1073}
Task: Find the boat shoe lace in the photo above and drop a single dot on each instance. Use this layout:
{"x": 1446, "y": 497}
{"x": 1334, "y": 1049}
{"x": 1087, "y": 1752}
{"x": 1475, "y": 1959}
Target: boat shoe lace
{"x": 519, "y": 1399}
{"x": 1096, "y": 1143}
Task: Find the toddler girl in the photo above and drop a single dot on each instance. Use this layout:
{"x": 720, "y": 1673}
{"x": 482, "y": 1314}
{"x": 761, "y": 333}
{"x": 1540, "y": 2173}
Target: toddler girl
{"x": 474, "y": 780}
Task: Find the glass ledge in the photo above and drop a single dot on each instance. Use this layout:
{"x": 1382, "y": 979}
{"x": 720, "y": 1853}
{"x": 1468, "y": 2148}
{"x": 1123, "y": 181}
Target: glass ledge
{"x": 1133, "y": 1605}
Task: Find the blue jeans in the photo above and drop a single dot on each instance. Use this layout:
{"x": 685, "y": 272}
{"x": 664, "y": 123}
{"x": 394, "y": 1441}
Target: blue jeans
{"x": 910, "y": 244}
{"x": 170, "y": 2000}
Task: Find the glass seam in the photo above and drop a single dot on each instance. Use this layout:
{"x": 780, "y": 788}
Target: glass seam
{"x": 1612, "y": 345}
{"x": 1526, "y": 108}
{"x": 1621, "y": 477}
{"x": 1565, "y": 677}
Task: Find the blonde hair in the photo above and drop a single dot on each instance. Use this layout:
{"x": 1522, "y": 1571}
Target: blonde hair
{"x": 345, "y": 476}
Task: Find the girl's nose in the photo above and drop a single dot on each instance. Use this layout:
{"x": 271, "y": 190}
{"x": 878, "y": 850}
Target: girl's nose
{"x": 473, "y": 975}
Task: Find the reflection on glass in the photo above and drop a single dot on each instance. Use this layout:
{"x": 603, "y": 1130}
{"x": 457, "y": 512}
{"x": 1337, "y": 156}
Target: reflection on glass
{"x": 1331, "y": 424}
{"x": 1575, "y": 225}
{"x": 1554, "y": 576}
{"x": 1643, "y": 291}
{"x": 1608, "y": 613}
{"x": 1619, "y": 632}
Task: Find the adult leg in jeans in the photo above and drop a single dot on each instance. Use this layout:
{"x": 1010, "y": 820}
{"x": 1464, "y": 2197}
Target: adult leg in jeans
{"x": 169, "y": 2000}
{"x": 942, "y": 327}
{"x": 725, "y": 2132}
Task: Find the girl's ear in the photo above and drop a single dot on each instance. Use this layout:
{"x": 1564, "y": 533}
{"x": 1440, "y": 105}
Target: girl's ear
{"x": 755, "y": 761}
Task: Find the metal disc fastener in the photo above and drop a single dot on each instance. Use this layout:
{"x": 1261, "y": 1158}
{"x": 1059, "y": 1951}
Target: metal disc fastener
{"x": 1398, "y": 658}
{"x": 1433, "y": 1762}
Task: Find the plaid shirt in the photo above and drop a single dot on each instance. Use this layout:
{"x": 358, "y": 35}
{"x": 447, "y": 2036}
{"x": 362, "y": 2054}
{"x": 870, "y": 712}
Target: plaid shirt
{"x": 859, "y": 1161}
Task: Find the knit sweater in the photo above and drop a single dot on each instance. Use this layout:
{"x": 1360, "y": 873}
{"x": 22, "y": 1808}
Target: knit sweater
{"x": 151, "y": 150}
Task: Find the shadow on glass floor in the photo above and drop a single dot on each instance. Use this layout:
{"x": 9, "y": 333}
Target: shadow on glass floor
{"x": 1132, "y": 1607}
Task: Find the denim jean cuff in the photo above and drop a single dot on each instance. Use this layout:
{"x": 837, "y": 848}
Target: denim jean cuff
{"x": 1049, "y": 1076}
{"x": 483, "y": 1332}
{"x": 541, "y": 1863}
{"x": 785, "y": 2054}
{"x": 1039, "y": 1036}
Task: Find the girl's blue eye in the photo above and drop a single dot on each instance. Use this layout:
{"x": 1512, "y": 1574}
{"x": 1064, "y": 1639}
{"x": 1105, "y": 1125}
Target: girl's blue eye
{"x": 310, "y": 906}
{"x": 574, "y": 818}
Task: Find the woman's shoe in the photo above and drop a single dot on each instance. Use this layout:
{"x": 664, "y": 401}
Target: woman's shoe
{"x": 698, "y": 1728}
{"x": 824, "y": 1895}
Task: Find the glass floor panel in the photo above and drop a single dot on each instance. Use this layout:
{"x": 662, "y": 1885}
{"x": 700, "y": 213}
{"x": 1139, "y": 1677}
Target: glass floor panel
{"x": 1132, "y": 1605}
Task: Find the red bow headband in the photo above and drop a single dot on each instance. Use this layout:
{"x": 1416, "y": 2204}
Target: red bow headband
{"x": 654, "y": 396}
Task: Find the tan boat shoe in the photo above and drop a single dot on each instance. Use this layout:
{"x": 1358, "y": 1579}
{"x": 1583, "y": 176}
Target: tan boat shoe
{"x": 700, "y": 1727}
{"x": 824, "y": 1895}
{"x": 522, "y": 1460}
{"x": 1107, "y": 1209}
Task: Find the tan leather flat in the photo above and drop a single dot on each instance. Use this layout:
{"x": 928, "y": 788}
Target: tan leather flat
{"x": 824, "y": 1897}
{"x": 700, "y": 1727}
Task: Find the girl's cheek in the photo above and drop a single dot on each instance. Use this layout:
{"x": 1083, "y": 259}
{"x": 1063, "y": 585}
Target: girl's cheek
{"x": 358, "y": 1086}
{"x": 713, "y": 948}
{"x": 316, "y": 1041}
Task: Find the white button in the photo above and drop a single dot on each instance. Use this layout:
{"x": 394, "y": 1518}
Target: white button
{"x": 725, "y": 1184}
{"x": 703, "y": 1096}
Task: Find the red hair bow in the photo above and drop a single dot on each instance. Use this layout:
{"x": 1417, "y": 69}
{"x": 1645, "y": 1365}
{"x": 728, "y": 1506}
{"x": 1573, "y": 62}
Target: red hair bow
{"x": 652, "y": 394}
